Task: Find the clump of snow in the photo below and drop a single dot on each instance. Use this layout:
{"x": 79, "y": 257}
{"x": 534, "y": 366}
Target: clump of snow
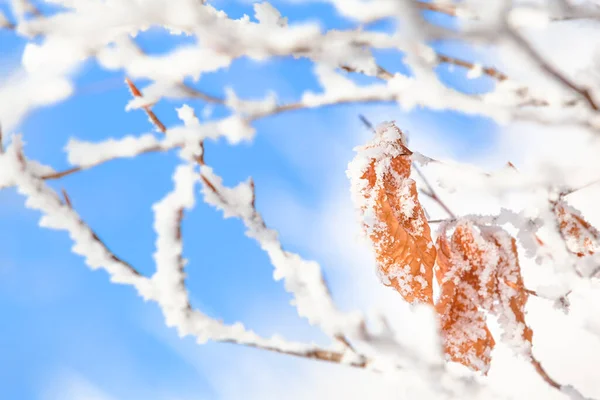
{"x": 236, "y": 129}
{"x": 187, "y": 115}
{"x": 529, "y": 17}
{"x": 268, "y": 15}
{"x": 475, "y": 71}
{"x": 88, "y": 154}
{"x": 169, "y": 279}
{"x": 60, "y": 216}
{"x": 302, "y": 278}
{"x": 248, "y": 108}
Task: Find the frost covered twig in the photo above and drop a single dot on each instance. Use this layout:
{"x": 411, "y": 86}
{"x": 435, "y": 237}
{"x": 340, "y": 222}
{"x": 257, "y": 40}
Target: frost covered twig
{"x": 61, "y": 216}
{"x": 489, "y": 71}
{"x": 443, "y": 8}
{"x": 170, "y": 289}
{"x": 549, "y": 69}
{"x": 431, "y": 193}
{"x": 302, "y": 278}
{"x": 147, "y": 108}
{"x": 195, "y": 93}
{"x": 107, "y": 32}
{"x": 295, "y": 275}
{"x": 167, "y": 286}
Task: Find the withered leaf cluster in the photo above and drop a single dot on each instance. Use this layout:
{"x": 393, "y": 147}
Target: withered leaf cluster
{"x": 478, "y": 272}
{"x": 477, "y": 268}
{"x": 580, "y": 236}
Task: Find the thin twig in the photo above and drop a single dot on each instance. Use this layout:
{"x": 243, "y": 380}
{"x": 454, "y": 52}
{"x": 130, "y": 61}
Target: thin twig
{"x": 368, "y": 98}
{"x": 195, "y": 93}
{"x": 431, "y": 193}
{"x": 178, "y": 236}
{"x": 317, "y": 354}
{"x": 66, "y": 198}
{"x": 200, "y": 159}
{"x": 280, "y": 109}
{"x": 576, "y": 189}
{"x": 569, "y": 11}
{"x": 61, "y": 174}
{"x": 490, "y": 71}
{"x": 545, "y": 66}
{"x": 438, "y": 221}
{"x": 255, "y": 222}
{"x": 367, "y": 123}
{"x": 147, "y": 108}
{"x": 382, "y": 73}
{"x": 542, "y": 372}
{"x": 448, "y": 9}
{"x": 67, "y": 201}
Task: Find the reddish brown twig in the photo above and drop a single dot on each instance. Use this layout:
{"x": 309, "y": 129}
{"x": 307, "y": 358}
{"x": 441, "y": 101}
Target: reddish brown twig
{"x": 195, "y": 93}
{"x": 317, "y": 354}
{"x": 200, "y": 159}
{"x": 542, "y": 372}
{"x": 66, "y": 198}
{"x": 67, "y": 201}
{"x": 448, "y": 9}
{"x": 61, "y": 174}
{"x": 576, "y": 189}
{"x": 431, "y": 193}
{"x": 491, "y": 72}
{"x": 147, "y": 108}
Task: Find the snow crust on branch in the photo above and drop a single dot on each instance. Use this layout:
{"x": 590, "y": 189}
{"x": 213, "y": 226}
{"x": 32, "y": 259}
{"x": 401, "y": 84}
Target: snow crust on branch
{"x": 303, "y": 279}
{"x": 58, "y": 215}
{"x": 549, "y": 229}
{"x": 167, "y": 285}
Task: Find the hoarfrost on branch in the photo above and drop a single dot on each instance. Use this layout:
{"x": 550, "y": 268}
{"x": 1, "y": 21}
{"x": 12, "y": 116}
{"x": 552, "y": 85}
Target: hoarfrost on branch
{"x": 479, "y": 257}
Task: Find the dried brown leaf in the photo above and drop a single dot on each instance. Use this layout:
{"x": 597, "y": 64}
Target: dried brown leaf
{"x": 465, "y": 335}
{"x": 478, "y": 271}
{"x": 400, "y": 233}
{"x": 580, "y": 236}
{"x": 478, "y": 261}
{"x": 511, "y": 295}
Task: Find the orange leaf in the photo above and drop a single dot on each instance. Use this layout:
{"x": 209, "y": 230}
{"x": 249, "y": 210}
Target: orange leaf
{"x": 466, "y": 338}
{"x": 581, "y": 237}
{"x": 392, "y": 215}
{"x": 478, "y": 270}
{"x": 479, "y": 261}
{"x": 511, "y": 295}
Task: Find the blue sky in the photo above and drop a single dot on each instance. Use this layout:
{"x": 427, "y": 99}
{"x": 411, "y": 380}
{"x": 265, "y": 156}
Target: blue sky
{"x": 68, "y": 333}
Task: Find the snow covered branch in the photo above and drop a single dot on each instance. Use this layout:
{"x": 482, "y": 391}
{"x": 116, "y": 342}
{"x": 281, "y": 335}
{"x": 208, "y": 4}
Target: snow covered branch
{"x": 473, "y": 269}
{"x": 61, "y": 216}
